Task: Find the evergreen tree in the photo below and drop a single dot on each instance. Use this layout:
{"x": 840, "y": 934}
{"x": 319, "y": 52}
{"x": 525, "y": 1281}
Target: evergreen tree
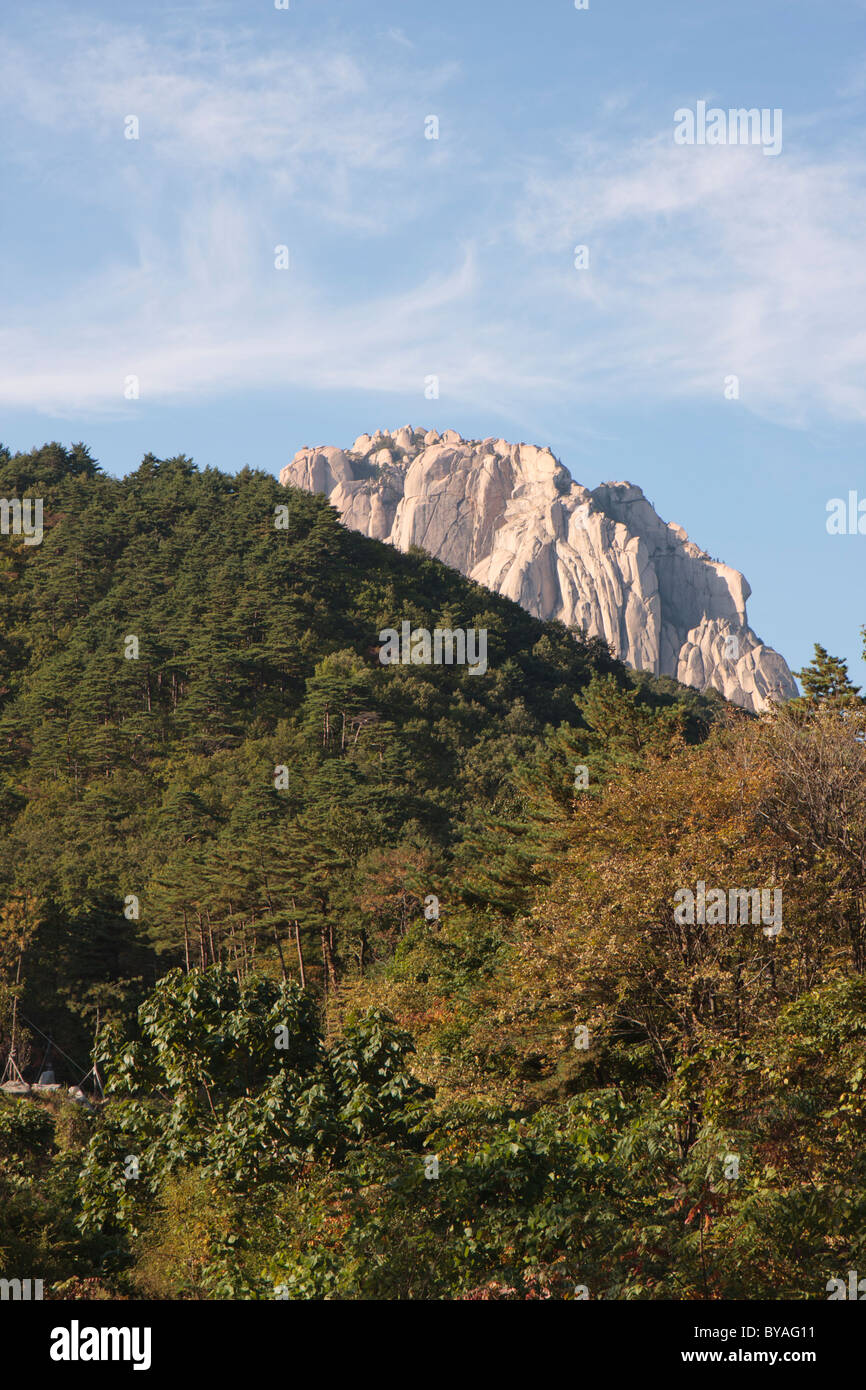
{"x": 826, "y": 683}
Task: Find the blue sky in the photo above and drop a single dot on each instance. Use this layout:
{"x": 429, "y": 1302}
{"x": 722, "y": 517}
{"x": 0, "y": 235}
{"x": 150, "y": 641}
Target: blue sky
{"x": 409, "y": 257}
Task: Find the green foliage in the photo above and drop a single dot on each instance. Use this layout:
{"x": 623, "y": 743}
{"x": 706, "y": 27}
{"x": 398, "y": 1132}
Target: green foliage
{"x": 286, "y": 1040}
{"x": 234, "y": 1080}
{"x": 258, "y": 649}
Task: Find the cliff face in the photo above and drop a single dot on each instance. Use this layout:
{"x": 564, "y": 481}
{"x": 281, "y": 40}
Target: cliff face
{"x": 510, "y": 517}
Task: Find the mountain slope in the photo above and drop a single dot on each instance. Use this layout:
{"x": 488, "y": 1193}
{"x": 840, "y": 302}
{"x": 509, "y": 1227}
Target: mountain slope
{"x": 152, "y": 771}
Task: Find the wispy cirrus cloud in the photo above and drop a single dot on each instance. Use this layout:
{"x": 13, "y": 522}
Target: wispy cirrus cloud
{"x": 704, "y": 262}
{"x": 711, "y": 261}
{"x": 307, "y": 124}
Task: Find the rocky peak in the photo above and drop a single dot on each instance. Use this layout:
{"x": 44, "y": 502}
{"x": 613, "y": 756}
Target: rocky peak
{"x": 510, "y": 516}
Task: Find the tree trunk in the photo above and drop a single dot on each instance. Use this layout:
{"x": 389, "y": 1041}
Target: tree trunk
{"x": 328, "y": 958}
{"x": 274, "y": 928}
{"x": 210, "y": 939}
{"x": 298, "y": 946}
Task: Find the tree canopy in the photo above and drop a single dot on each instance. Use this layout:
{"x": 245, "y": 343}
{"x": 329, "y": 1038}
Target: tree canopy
{"x": 379, "y": 964}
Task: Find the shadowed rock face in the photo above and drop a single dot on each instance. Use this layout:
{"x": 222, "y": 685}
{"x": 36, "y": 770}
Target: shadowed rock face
{"x": 509, "y": 516}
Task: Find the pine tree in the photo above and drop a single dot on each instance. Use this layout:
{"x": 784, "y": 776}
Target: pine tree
{"x": 826, "y": 682}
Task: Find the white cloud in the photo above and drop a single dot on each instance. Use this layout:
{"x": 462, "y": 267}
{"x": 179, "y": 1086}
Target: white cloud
{"x": 398, "y": 36}
{"x": 203, "y": 327}
{"x": 704, "y": 261}
{"x": 307, "y": 124}
{"x": 709, "y": 261}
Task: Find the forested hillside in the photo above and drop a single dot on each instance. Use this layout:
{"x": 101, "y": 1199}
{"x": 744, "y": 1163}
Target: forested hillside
{"x": 390, "y": 993}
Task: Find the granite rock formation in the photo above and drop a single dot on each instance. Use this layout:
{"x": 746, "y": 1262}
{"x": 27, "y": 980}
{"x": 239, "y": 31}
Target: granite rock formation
{"x": 510, "y": 516}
